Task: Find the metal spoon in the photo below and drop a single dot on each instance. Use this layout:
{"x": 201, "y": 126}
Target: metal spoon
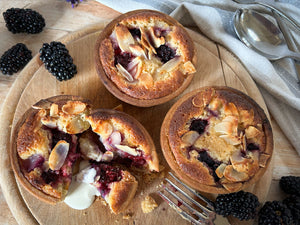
{"x": 272, "y": 7}
{"x": 262, "y": 35}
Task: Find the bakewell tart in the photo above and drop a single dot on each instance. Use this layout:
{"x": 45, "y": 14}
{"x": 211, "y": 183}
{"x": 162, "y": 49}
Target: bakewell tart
{"x": 145, "y": 57}
{"x": 217, "y": 139}
{"x": 60, "y": 131}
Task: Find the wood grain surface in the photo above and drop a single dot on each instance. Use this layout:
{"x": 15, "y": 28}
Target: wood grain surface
{"x": 211, "y": 70}
{"x": 229, "y": 72}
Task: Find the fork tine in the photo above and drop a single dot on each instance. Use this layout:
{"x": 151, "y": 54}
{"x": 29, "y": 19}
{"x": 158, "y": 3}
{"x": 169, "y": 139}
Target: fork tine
{"x": 201, "y": 216}
{"x": 205, "y": 209}
{"x": 181, "y": 212}
{"x": 207, "y": 201}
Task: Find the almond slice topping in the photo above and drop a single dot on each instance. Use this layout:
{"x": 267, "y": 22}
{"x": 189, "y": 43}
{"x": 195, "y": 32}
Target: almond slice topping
{"x": 124, "y": 73}
{"x": 127, "y": 149}
{"x": 189, "y": 138}
{"x": 137, "y": 51}
{"x": 124, "y": 37}
{"x": 188, "y": 68}
{"x": 58, "y": 155}
{"x": 170, "y": 65}
{"x": 157, "y": 41}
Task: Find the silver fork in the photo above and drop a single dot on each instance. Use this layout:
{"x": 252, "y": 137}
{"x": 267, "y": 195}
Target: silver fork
{"x": 198, "y": 213}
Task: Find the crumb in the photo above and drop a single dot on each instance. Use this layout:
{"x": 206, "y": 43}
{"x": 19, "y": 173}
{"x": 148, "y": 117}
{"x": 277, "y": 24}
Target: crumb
{"x": 161, "y": 167}
{"x": 84, "y": 213}
{"x": 162, "y": 174}
{"x": 148, "y": 204}
{"x": 127, "y": 216}
{"x": 103, "y": 201}
{"x": 119, "y": 108}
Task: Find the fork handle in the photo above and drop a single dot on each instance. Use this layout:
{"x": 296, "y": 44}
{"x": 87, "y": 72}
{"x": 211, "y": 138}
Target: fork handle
{"x": 273, "y": 7}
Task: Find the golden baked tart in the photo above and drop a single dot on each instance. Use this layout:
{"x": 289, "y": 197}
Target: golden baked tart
{"x": 59, "y": 131}
{"x": 145, "y": 57}
{"x": 217, "y": 139}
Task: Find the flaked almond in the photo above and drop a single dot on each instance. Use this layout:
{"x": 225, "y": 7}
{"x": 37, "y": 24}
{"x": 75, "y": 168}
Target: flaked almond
{"x": 170, "y": 65}
{"x": 189, "y": 138}
{"x": 220, "y": 170}
{"x": 124, "y": 73}
{"x": 263, "y": 159}
{"x": 145, "y": 42}
{"x": 89, "y": 149}
{"x": 74, "y": 126}
{"x": 246, "y": 117}
{"x": 188, "y": 68}
{"x": 74, "y": 107}
{"x": 231, "y": 110}
{"x": 107, "y": 156}
{"x": 231, "y": 174}
{"x": 54, "y": 110}
{"x": 252, "y": 132}
{"x": 58, "y": 155}
{"x": 127, "y": 149}
{"x": 49, "y": 122}
{"x": 136, "y": 50}
{"x": 157, "y": 41}
{"x": 215, "y": 104}
{"x": 135, "y": 67}
{"x": 124, "y": 37}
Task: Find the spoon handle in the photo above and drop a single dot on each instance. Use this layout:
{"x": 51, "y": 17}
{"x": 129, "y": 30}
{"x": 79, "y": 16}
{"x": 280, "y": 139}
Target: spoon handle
{"x": 271, "y": 6}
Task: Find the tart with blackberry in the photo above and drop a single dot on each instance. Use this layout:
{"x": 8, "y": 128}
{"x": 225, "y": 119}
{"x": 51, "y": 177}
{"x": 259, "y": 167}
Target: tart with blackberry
{"x": 217, "y": 139}
{"x": 59, "y": 131}
{"x": 145, "y": 57}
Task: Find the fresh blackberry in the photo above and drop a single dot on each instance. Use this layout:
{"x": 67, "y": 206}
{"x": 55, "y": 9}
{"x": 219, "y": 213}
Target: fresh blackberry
{"x": 58, "y": 61}
{"x": 15, "y": 59}
{"x": 275, "y": 213}
{"x": 198, "y": 125}
{"x": 23, "y": 21}
{"x": 293, "y": 203}
{"x": 290, "y": 185}
{"x": 241, "y": 205}
{"x": 165, "y": 53}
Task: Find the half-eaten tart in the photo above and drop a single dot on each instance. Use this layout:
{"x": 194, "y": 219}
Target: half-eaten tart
{"x": 56, "y": 132}
{"x": 145, "y": 57}
{"x": 217, "y": 139}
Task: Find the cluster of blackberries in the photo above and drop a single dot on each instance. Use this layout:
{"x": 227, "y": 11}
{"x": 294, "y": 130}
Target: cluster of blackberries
{"x": 23, "y": 21}
{"x": 15, "y": 59}
{"x": 19, "y": 21}
{"x": 242, "y": 205}
{"x": 57, "y": 60}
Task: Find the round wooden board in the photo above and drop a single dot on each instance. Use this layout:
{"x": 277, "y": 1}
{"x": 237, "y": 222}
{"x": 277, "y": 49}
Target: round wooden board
{"x": 215, "y": 66}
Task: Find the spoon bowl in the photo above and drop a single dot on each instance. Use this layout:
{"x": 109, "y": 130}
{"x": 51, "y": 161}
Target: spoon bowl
{"x": 261, "y": 34}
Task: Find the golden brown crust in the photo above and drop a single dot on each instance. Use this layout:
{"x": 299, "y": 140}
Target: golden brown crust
{"x": 122, "y": 192}
{"x": 236, "y": 124}
{"x": 33, "y": 137}
{"x": 147, "y": 83}
{"x": 134, "y": 133}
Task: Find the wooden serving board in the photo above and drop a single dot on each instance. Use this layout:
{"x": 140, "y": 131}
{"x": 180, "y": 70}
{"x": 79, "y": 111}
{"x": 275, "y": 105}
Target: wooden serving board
{"x": 215, "y": 66}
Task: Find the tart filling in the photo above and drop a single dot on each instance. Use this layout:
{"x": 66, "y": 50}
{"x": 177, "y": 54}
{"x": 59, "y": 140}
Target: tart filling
{"x": 147, "y": 56}
{"x": 218, "y": 138}
{"x": 56, "y": 134}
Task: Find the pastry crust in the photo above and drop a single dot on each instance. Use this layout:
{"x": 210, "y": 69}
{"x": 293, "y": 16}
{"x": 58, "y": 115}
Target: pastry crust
{"x": 148, "y": 76}
{"x": 55, "y": 132}
{"x": 218, "y": 139}
{"x": 122, "y": 192}
{"x": 133, "y": 133}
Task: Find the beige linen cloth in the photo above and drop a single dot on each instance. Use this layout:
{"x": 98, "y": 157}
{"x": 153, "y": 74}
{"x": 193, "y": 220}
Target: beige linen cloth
{"x": 276, "y": 80}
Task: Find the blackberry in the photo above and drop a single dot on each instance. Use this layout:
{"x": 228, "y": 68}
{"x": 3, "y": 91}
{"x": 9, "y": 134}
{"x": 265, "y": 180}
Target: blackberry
{"x": 165, "y": 53}
{"x": 15, "y": 59}
{"x": 241, "y": 205}
{"x": 198, "y": 125}
{"x": 275, "y": 213}
{"x": 290, "y": 185}
{"x": 57, "y": 60}
{"x": 23, "y": 21}
{"x": 293, "y": 203}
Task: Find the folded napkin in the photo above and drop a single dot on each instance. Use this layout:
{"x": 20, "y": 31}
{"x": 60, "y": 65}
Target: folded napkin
{"x": 277, "y": 80}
